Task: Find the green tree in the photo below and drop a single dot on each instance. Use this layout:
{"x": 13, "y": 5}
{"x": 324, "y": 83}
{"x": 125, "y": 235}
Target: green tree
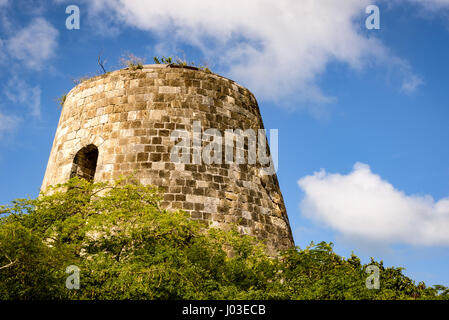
{"x": 127, "y": 247}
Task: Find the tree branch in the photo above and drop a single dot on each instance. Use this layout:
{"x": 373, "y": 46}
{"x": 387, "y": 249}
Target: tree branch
{"x": 101, "y": 63}
{"x": 10, "y": 264}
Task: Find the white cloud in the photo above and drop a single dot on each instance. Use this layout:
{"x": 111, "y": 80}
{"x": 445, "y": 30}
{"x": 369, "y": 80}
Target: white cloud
{"x": 3, "y": 3}
{"x": 276, "y": 48}
{"x": 3, "y": 56}
{"x": 7, "y": 123}
{"x": 18, "y": 91}
{"x": 410, "y": 81}
{"x": 410, "y": 84}
{"x": 34, "y": 44}
{"x": 361, "y": 205}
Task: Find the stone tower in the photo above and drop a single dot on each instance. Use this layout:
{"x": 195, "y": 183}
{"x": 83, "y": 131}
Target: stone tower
{"x": 121, "y": 123}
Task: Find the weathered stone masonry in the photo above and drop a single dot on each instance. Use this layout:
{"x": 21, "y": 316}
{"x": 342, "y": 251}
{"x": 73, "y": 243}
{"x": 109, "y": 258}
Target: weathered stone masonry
{"x": 125, "y": 119}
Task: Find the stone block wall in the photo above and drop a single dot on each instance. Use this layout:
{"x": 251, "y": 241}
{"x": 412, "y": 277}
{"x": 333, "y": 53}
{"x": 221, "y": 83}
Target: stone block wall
{"x": 129, "y": 117}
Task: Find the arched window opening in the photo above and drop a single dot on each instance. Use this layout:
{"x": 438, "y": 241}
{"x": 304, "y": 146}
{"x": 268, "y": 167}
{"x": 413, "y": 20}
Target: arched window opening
{"x": 85, "y": 163}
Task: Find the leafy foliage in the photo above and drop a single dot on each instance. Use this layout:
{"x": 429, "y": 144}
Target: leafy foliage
{"x": 180, "y": 63}
{"x": 163, "y": 60}
{"x": 127, "y": 247}
{"x": 132, "y": 62}
{"x": 61, "y": 100}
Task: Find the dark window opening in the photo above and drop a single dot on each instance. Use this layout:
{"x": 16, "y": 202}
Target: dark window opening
{"x": 85, "y": 163}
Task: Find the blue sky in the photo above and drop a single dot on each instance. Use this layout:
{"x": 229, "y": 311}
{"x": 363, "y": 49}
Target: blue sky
{"x": 362, "y": 114}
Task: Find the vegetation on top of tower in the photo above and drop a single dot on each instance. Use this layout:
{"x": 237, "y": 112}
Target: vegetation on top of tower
{"x": 132, "y": 62}
{"x": 62, "y": 99}
{"x": 127, "y": 247}
{"x": 180, "y": 63}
